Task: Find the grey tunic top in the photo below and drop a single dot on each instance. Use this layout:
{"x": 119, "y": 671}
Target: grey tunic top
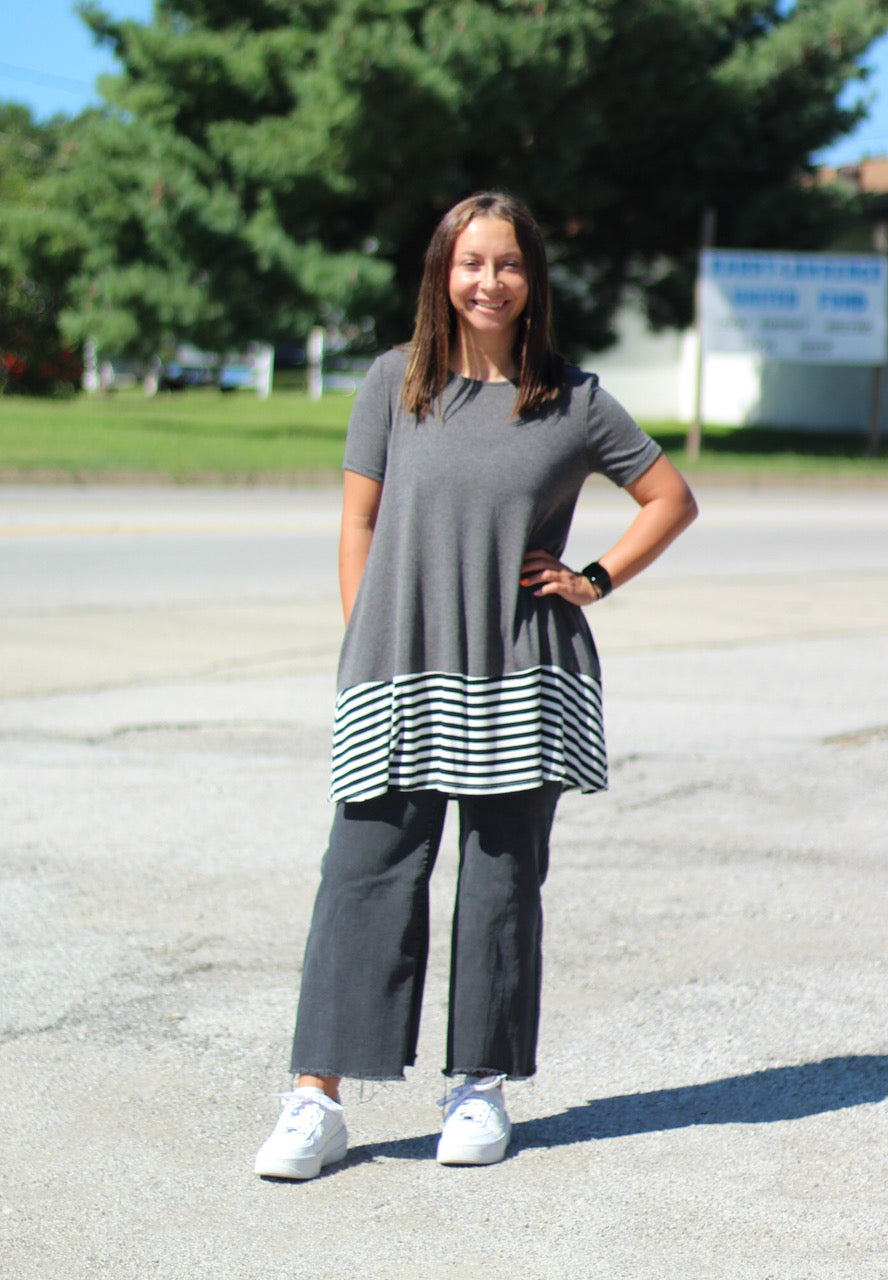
{"x": 452, "y": 675}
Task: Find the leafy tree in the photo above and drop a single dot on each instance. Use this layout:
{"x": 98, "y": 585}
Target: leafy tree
{"x": 266, "y": 164}
{"x": 33, "y": 356}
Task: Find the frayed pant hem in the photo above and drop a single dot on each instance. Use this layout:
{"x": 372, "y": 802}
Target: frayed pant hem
{"x": 359, "y": 1076}
{"x": 450, "y": 1072}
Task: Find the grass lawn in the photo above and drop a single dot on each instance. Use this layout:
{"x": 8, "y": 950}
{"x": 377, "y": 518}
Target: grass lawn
{"x": 202, "y": 435}
{"x": 183, "y": 436}
{"x": 774, "y": 454}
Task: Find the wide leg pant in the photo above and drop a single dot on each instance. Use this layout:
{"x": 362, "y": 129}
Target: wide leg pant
{"x": 365, "y": 958}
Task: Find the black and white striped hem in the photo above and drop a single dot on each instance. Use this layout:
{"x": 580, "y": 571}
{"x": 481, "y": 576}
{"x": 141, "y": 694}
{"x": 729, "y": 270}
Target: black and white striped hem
{"x": 469, "y": 735}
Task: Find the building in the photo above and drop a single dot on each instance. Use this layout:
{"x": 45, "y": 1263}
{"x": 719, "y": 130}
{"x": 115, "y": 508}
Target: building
{"x": 654, "y": 374}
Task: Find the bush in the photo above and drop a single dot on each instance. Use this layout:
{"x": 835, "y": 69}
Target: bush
{"x": 33, "y": 358}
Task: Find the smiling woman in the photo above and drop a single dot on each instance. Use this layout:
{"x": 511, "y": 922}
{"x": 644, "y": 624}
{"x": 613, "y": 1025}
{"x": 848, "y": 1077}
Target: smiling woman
{"x": 489, "y": 228}
{"x": 488, "y": 293}
{"x": 467, "y": 672}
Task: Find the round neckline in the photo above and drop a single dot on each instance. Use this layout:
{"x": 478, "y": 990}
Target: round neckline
{"x": 484, "y": 382}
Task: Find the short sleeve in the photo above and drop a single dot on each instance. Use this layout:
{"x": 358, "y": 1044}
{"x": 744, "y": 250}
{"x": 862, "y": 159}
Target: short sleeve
{"x": 618, "y": 447}
{"x": 366, "y": 443}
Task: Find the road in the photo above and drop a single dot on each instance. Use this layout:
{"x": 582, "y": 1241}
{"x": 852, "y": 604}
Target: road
{"x": 711, "y": 1101}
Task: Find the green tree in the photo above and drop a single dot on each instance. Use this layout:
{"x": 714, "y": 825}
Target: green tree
{"x": 266, "y": 164}
{"x": 33, "y": 355}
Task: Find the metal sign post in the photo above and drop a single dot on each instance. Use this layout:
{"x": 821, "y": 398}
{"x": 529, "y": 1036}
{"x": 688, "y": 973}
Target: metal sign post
{"x": 695, "y": 431}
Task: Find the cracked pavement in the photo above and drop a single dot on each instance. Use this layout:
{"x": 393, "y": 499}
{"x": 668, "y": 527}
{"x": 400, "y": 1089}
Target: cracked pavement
{"x": 711, "y": 1099}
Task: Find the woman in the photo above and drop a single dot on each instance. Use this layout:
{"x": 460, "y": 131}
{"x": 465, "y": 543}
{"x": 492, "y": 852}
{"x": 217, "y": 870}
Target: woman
{"x": 467, "y": 671}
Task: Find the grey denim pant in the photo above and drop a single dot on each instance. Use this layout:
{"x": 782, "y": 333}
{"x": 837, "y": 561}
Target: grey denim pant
{"x": 365, "y": 958}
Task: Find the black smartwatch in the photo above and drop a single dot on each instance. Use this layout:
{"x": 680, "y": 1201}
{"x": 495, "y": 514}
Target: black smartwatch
{"x": 599, "y": 577}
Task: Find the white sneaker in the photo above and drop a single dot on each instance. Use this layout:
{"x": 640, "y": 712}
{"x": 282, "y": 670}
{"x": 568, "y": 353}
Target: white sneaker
{"x": 476, "y": 1125}
{"x": 310, "y": 1133}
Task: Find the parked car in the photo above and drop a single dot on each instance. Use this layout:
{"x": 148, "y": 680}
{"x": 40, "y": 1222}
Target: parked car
{"x": 176, "y": 376}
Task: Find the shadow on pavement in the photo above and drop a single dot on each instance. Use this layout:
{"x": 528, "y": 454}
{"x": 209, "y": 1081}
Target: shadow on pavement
{"x": 780, "y": 1093}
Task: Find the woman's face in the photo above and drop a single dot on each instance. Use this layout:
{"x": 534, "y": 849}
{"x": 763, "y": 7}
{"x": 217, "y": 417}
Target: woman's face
{"x": 488, "y": 280}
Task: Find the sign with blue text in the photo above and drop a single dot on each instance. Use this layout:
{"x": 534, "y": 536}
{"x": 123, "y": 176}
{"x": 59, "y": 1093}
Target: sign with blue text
{"x": 821, "y": 308}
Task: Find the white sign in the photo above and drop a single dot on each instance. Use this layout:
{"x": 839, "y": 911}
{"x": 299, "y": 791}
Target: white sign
{"x": 820, "y": 308}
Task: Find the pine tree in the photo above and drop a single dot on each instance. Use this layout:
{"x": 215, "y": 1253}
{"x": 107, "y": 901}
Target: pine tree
{"x": 267, "y": 164}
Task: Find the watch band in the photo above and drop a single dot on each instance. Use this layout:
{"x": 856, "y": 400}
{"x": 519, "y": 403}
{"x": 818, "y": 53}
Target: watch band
{"x": 599, "y": 577}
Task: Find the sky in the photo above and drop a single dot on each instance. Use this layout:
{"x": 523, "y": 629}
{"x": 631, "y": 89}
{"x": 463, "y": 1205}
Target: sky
{"x": 49, "y": 62}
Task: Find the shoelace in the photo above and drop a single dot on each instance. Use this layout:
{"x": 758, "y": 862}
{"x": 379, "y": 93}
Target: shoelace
{"x": 464, "y": 1095}
{"x": 305, "y": 1114}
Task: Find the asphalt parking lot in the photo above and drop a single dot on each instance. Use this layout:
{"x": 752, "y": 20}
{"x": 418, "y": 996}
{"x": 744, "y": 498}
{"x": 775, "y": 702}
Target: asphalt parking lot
{"x": 712, "y": 1099}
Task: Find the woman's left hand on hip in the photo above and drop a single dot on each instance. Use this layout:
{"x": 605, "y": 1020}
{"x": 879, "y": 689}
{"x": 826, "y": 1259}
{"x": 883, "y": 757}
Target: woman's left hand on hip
{"x": 547, "y": 576}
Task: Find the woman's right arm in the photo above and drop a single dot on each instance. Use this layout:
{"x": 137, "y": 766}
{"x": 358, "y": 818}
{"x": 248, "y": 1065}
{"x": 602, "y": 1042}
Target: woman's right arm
{"x": 360, "y": 506}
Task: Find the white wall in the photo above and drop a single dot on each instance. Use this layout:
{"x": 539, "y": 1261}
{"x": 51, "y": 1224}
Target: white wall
{"x": 653, "y": 376}
{"x": 643, "y": 370}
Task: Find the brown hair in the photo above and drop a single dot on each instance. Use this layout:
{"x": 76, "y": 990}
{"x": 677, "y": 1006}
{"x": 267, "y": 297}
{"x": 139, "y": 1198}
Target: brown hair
{"x": 540, "y": 368}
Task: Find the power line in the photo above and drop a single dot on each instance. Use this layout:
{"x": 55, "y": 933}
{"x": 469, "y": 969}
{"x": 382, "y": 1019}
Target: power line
{"x": 29, "y": 75}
